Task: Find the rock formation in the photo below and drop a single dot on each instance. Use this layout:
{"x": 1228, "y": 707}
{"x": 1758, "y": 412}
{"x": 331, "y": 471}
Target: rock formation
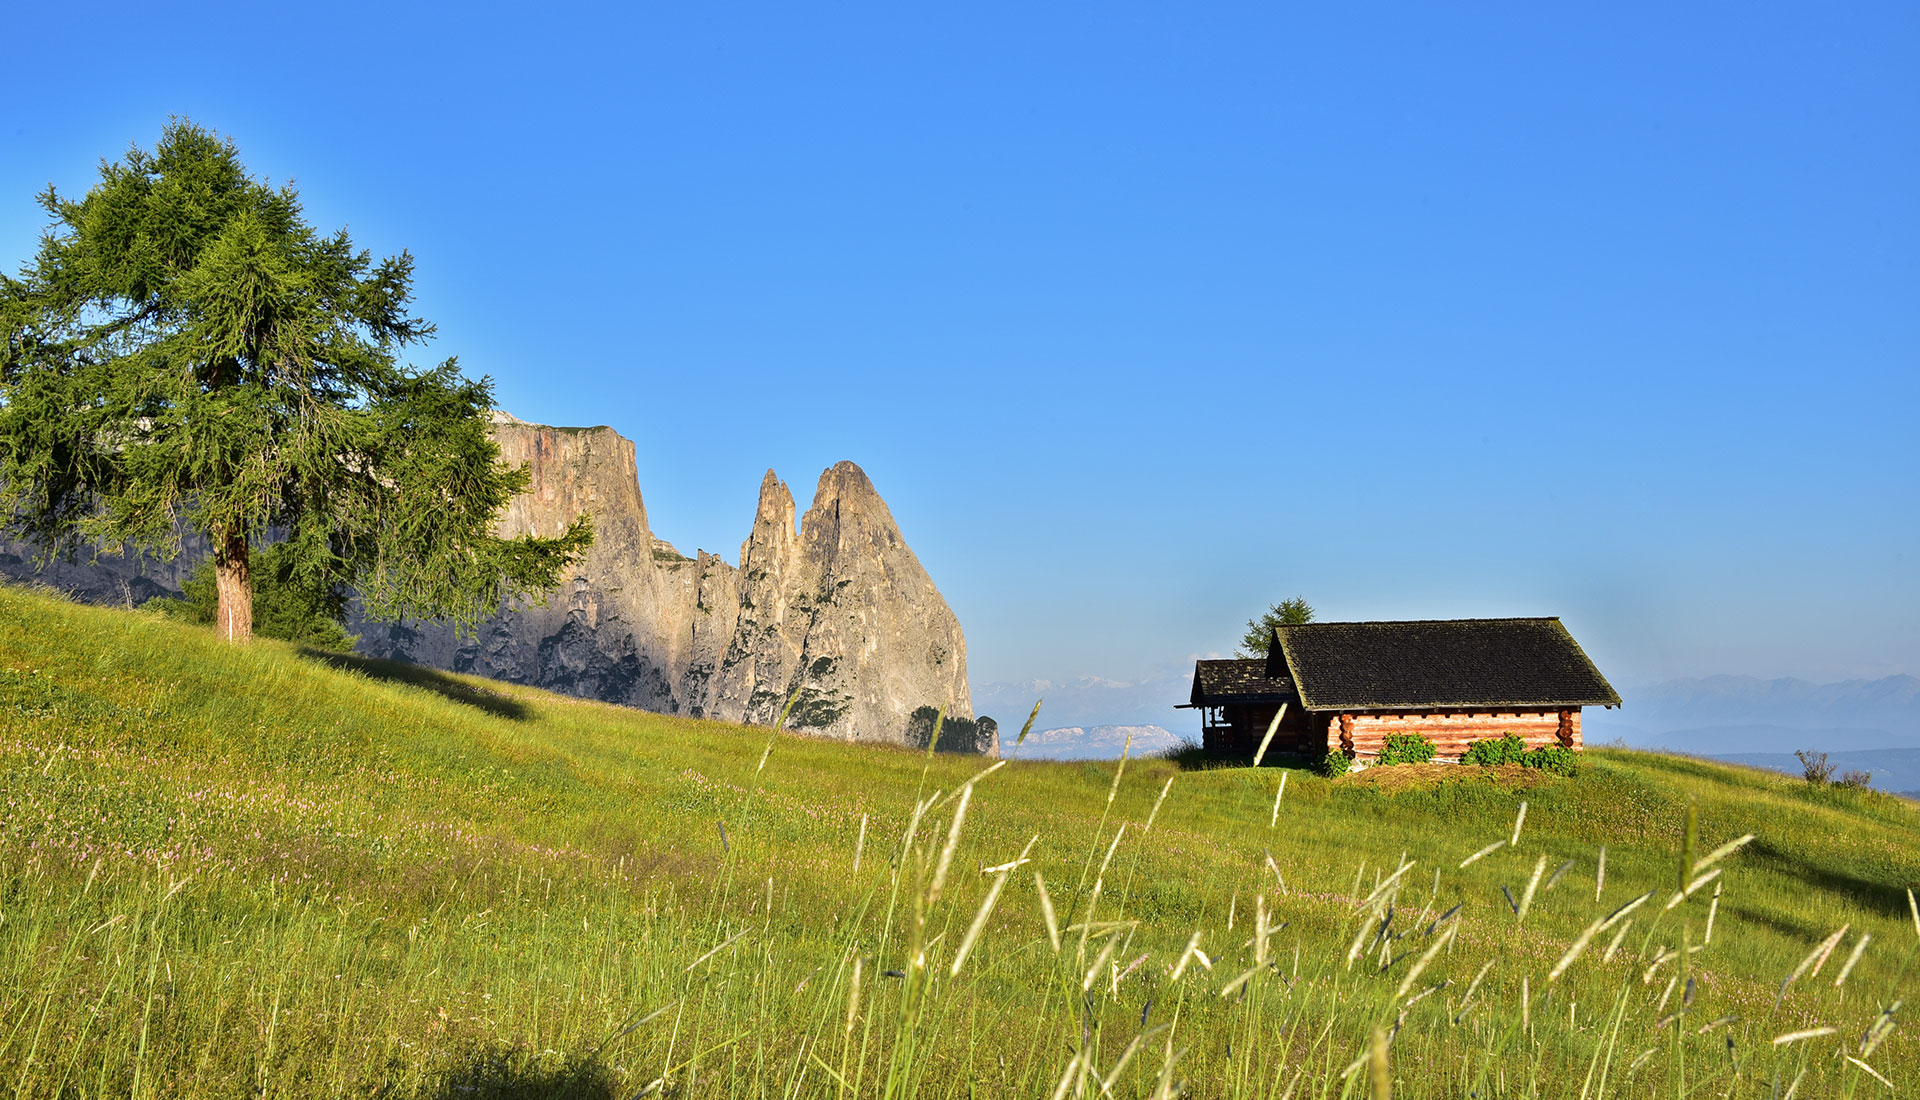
{"x": 837, "y": 608}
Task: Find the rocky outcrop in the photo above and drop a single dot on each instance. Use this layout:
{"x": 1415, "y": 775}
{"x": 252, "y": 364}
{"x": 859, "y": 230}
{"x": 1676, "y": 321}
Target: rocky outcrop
{"x": 837, "y": 608}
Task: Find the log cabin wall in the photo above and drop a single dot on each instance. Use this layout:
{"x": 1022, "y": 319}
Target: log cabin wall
{"x": 1451, "y": 732}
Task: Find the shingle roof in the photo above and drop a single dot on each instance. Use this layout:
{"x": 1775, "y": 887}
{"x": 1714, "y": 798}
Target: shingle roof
{"x": 1244, "y": 681}
{"x": 1438, "y": 663}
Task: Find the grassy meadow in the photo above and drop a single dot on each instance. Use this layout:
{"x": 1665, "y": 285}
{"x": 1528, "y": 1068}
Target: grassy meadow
{"x": 265, "y": 872}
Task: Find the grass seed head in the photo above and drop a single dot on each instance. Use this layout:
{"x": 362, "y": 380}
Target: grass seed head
{"x": 1046, "y": 910}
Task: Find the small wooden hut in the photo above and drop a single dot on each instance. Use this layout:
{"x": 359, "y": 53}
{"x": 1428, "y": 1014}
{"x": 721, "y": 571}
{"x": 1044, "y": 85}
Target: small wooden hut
{"x": 1346, "y": 686}
{"x": 1237, "y": 700}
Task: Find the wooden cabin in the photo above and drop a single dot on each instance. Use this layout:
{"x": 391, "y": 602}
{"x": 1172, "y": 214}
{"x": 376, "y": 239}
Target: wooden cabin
{"x": 1237, "y": 701}
{"x": 1346, "y": 686}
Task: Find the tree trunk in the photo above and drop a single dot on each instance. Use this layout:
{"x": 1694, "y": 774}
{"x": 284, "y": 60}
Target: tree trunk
{"x": 234, "y": 585}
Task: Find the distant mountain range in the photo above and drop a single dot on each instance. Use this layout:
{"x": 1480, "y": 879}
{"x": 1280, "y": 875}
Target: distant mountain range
{"x": 1896, "y": 770}
{"x": 1087, "y": 743}
{"x": 1090, "y": 701}
{"x": 1718, "y": 715}
{"x": 1707, "y": 716}
{"x": 1891, "y": 702}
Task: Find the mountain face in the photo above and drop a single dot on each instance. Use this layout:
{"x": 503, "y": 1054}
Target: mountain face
{"x": 837, "y": 608}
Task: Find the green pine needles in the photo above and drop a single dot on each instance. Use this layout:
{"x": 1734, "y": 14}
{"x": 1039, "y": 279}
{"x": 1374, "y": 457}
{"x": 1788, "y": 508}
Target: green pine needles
{"x": 187, "y": 354}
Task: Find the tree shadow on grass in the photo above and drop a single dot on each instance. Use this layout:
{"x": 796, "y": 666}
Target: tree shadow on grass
{"x": 1189, "y": 756}
{"x": 432, "y": 679}
{"x": 485, "y": 1072}
{"x": 1885, "y": 898}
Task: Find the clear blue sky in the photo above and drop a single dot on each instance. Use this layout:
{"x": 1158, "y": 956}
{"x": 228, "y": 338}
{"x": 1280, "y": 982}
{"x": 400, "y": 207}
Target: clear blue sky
{"x": 1144, "y": 317}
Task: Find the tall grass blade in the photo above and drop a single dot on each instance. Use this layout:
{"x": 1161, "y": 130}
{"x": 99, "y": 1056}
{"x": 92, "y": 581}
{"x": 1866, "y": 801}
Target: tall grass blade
{"x": 1028, "y": 727}
{"x": 1472, "y": 987}
{"x": 1871, "y": 1072}
{"x": 1579, "y": 945}
{"x": 1126, "y": 750}
{"x": 1192, "y": 949}
{"x": 1802, "y": 1036}
{"x": 1526, "y": 896}
{"x": 1046, "y": 910}
{"x": 1155, "y": 812}
{"x": 945, "y": 862}
{"x": 1859, "y": 948}
{"x": 979, "y": 922}
{"x": 1420, "y": 964}
{"x": 1723, "y": 852}
{"x": 1482, "y": 853}
{"x": 1380, "y": 1079}
{"x": 1272, "y": 727}
{"x": 1826, "y": 949}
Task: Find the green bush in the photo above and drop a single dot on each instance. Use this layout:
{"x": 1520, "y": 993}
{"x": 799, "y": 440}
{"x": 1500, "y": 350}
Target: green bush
{"x": 1552, "y": 758}
{"x": 1406, "y": 748}
{"x": 1335, "y": 764}
{"x": 1504, "y": 749}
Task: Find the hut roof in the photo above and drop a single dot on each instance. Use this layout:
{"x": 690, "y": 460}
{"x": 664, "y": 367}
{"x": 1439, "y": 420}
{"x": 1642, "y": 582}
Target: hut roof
{"x": 1503, "y": 663}
{"x": 1238, "y": 681}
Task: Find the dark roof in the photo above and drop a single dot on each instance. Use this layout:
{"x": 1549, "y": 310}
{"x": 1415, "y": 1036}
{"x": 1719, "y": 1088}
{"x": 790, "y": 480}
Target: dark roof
{"x": 1244, "y": 681}
{"x": 1503, "y": 663}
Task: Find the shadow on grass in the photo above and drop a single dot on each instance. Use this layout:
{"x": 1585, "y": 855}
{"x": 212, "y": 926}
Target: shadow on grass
{"x": 512, "y": 1073}
{"x": 1188, "y": 756}
{"x": 440, "y": 683}
{"x": 1885, "y": 898}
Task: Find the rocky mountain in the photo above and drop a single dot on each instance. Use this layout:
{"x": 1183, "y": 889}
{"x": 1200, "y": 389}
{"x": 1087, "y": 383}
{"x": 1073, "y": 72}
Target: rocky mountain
{"x": 837, "y": 607}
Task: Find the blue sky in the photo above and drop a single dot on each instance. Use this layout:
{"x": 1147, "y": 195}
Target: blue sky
{"x": 1143, "y": 318}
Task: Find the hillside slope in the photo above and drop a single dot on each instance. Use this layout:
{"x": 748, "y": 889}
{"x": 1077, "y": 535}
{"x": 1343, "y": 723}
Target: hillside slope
{"x": 259, "y": 870}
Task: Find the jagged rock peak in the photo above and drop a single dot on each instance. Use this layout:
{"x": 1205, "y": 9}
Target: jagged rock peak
{"x": 836, "y": 606}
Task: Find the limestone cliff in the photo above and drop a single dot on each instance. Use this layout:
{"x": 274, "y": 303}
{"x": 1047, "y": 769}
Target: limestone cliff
{"x": 838, "y": 608}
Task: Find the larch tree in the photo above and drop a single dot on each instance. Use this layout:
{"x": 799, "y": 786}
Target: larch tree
{"x": 186, "y": 354}
{"x": 1259, "y": 636}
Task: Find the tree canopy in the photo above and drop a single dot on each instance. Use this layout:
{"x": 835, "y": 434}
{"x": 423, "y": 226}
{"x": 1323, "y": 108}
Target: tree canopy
{"x": 1259, "y": 636}
{"x": 186, "y": 354}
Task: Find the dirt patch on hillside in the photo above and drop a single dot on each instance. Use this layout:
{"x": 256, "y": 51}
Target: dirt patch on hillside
{"x": 1425, "y": 777}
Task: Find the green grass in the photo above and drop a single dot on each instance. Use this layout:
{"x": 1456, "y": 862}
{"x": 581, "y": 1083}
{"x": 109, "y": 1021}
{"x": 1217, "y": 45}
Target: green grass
{"x": 263, "y": 872}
